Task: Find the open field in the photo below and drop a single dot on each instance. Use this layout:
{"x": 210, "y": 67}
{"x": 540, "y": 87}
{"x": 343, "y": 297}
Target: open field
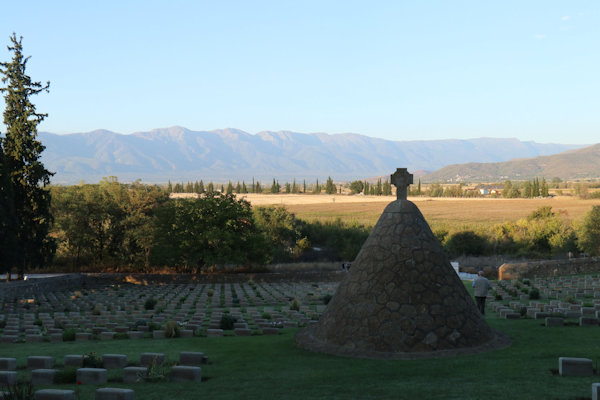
{"x": 437, "y": 211}
{"x": 259, "y": 367}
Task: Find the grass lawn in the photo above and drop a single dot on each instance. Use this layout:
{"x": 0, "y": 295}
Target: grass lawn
{"x": 272, "y": 367}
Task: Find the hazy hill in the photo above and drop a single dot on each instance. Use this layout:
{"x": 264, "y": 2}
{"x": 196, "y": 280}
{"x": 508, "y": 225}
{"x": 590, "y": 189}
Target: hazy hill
{"x": 179, "y": 154}
{"x": 574, "y": 164}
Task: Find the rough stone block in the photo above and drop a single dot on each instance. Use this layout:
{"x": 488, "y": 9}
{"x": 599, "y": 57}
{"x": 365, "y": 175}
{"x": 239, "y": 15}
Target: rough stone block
{"x": 214, "y": 332}
{"x": 40, "y": 362}
{"x": 182, "y": 373}
{"x": 92, "y": 376}
{"x": 55, "y": 337}
{"x": 114, "y": 394}
{"x": 148, "y": 358}
{"x": 112, "y": 361}
{"x": 570, "y": 366}
{"x": 42, "y": 376}
{"x": 8, "y": 364}
{"x": 73, "y": 360}
{"x": 8, "y": 378}
{"x": 8, "y": 338}
{"x": 190, "y": 358}
{"x": 134, "y": 374}
{"x": 554, "y": 321}
{"x": 54, "y": 394}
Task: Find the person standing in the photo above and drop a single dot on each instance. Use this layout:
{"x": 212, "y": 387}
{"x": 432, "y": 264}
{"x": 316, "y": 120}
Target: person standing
{"x": 481, "y": 286}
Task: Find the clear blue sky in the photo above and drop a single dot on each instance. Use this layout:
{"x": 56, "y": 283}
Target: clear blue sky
{"x": 399, "y": 70}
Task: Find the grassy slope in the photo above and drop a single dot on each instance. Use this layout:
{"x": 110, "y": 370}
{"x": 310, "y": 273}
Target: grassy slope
{"x": 272, "y": 367}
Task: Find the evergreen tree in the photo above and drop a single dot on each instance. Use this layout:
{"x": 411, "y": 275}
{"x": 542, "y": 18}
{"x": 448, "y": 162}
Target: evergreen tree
{"x": 294, "y": 187}
{"x": 222, "y": 188}
{"x": 367, "y": 188}
{"x": 544, "y": 188}
{"x": 210, "y": 188}
{"x": 288, "y": 188}
{"x": 257, "y": 188}
{"x": 304, "y": 186}
{"x": 536, "y": 188}
{"x": 200, "y": 187}
{"x": 253, "y": 188}
{"x": 378, "y": 188}
{"x": 195, "y": 187}
{"x": 244, "y": 188}
{"x": 229, "y": 189}
{"x": 238, "y": 188}
{"x": 317, "y": 188}
{"x": 275, "y": 187}
{"x": 8, "y": 221}
{"x": 387, "y": 188}
{"x": 330, "y": 186}
{"x": 169, "y": 187}
{"x": 27, "y": 176}
{"x": 419, "y": 188}
{"x": 189, "y": 188}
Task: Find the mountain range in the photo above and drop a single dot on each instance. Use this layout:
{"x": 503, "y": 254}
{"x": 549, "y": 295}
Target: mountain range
{"x": 577, "y": 164}
{"x": 179, "y": 154}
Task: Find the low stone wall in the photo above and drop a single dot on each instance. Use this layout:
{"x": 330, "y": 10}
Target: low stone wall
{"x": 154, "y": 279}
{"x": 23, "y": 288}
{"x": 548, "y": 268}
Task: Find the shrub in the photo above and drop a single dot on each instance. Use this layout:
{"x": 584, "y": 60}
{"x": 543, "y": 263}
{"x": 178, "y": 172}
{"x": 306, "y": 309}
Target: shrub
{"x": 171, "y": 329}
{"x": 210, "y": 292}
{"x": 92, "y": 360}
{"x": 466, "y": 243}
{"x": 121, "y": 335}
{"x": 227, "y": 322}
{"x": 327, "y": 299}
{"x": 158, "y": 372}
{"x": 68, "y": 335}
{"x": 295, "y": 305}
{"x": 19, "y": 391}
{"x": 150, "y": 303}
{"x": 67, "y": 375}
{"x": 534, "y": 294}
{"x": 266, "y": 315}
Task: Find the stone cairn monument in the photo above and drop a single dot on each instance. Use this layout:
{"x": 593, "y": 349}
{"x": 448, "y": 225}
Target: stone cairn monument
{"x": 401, "y": 298}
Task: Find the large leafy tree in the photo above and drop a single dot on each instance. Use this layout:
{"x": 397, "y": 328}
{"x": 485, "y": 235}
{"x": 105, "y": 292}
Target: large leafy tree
{"x": 215, "y": 230}
{"x": 588, "y": 234}
{"x": 24, "y": 175}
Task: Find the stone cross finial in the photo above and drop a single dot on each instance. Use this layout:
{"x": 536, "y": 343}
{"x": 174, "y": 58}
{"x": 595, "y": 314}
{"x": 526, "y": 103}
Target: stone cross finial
{"x": 401, "y": 179}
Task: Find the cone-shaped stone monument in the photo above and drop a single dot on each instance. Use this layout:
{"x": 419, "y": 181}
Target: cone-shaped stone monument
{"x": 401, "y": 298}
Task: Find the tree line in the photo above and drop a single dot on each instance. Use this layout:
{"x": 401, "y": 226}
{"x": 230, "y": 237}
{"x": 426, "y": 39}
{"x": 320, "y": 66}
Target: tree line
{"x": 115, "y": 226}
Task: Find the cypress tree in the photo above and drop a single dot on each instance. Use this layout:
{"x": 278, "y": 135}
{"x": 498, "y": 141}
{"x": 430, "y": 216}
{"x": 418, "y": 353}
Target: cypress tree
{"x": 257, "y": 188}
{"x": 244, "y": 188}
{"x": 200, "y": 187}
{"x": 23, "y": 173}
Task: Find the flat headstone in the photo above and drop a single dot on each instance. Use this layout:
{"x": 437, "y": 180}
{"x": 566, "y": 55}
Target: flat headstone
{"x": 8, "y": 378}
{"x": 242, "y": 332}
{"x": 159, "y": 334}
{"x": 83, "y": 336}
{"x": 554, "y": 321}
{"x": 147, "y": 359}
{"x": 73, "y": 360}
{"x": 135, "y": 334}
{"x": 114, "y": 394}
{"x": 191, "y": 358}
{"x": 42, "y": 376}
{"x": 588, "y": 321}
{"x": 92, "y": 376}
{"x": 8, "y": 364}
{"x": 134, "y": 374}
{"x": 182, "y": 373}
{"x": 214, "y": 332}
{"x": 570, "y": 366}
{"x": 112, "y": 361}
{"x": 595, "y": 391}
{"x": 40, "y": 362}
{"x": 54, "y": 394}
{"x": 107, "y": 335}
